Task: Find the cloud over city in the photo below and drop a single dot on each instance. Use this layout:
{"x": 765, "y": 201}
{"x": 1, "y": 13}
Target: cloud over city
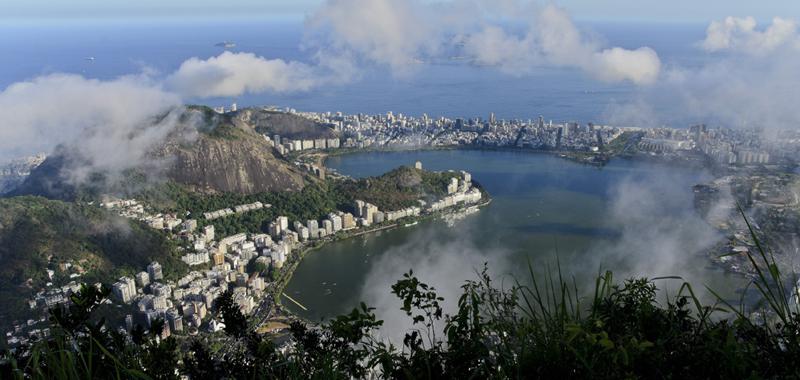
{"x": 552, "y": 38}
{"x": 389, "y": 32}
{"x": 399, "y": 33}
{"x": 113, "y": 122}
{"x": 748, "y": 78}
{"x": 740, "y": 34}
{"x": 233, "y": 74}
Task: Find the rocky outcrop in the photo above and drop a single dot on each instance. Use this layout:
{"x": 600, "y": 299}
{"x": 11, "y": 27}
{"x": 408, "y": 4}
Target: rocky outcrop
{"x": 14, "y": 173}
{"x": 243, "y": 163}
{"x": 207, "y": 152}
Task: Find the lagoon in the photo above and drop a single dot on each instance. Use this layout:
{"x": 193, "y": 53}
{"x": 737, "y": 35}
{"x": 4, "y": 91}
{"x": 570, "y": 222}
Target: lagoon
{"x": 632, "y": 217}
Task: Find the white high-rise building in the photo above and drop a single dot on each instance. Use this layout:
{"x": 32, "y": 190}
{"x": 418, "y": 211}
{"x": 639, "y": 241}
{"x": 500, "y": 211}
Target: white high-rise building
{"x": 283, "y": 222}
{"x": 124, "y": 289}
{"x": 327, "y": 224}
{"x": 313, "y": 227}
{"x": 175, "y": 320}
{"x": 278, "y": 257}
{"x": 208, "y": 233}
{"x": 160, "y": 303}
{"x": 143, "y": 279}
{"x": 274, "y": 229}
{"x": 154, "y": 270}
{"x": 337, "y": 222}
{"x": 303, "y": 233}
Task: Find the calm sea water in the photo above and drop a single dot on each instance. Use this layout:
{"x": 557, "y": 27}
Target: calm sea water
{"x": 634, "y": 218}
{"x": 123, "y": 47}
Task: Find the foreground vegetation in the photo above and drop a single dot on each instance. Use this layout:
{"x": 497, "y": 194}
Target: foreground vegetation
{"x": 543, "y": 329}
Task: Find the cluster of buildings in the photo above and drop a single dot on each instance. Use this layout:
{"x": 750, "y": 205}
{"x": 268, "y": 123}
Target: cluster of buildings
{"x": 222, "y": 110}
{"x": 368, "y": 214}
{"x": 312, "y": 169}
{"x": 52, "y": 297}
{"x": 398, "y": 130}
{"x": 301, "y": 232}
{"x": 724, "y": 146}
{"x": 132, "y": 209}
{"x": 459, "y": 191}
{"x": 240, "y": 209}
{"x": 286, "y": 145}
{"x": 187, "y": 302}
{"x": 739, "y": 146}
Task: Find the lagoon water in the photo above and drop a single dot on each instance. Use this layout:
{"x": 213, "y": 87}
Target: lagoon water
{"x": 635, "y": 218}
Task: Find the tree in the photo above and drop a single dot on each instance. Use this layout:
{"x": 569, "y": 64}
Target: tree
{"x": 235, "y": 321}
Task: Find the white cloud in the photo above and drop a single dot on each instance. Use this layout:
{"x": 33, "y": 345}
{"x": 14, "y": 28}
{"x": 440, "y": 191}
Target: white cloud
{"x": 108, "y": 120}
{"x": 640, "y": 66}
{"x": 755, "y": 86}
{"x": 387, "y": 32}
{"x": 738, "y": 92}
{"x": 660, "y": 232}
{"x": 233, "y": 74}
{"x": 493, "y": 46}
{"x": 395, "y": 33}
{"x": 553, "y": 39}
{"x": 111, "y": 125}
{"x": 740, "y": 35}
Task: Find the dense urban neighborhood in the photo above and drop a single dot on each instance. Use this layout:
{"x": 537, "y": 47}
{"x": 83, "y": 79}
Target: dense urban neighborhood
{"x": 256, "y": 266}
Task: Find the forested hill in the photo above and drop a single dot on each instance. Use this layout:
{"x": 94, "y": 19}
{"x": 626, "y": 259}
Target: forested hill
{"x": 286, "y": 125}
{"x": 37, "y": 234}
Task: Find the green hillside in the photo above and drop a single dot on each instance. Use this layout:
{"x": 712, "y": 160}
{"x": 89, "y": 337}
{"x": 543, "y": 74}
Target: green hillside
{"x": 397, "y": 189}
{"x": 37, "y": 234}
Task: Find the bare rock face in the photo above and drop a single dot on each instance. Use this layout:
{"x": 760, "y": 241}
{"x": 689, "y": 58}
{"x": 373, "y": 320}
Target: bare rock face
{"x": 14, "y": 173}
{"x": 208, "y": 152}
{"x": 243, "y": 164}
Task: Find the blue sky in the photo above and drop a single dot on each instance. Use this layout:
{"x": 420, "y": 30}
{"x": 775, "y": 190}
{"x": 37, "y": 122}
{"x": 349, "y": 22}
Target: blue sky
{"x": 618, "y": 10}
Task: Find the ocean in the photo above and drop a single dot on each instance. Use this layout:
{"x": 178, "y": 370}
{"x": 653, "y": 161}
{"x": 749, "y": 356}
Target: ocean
{"x": 123, "y": 47}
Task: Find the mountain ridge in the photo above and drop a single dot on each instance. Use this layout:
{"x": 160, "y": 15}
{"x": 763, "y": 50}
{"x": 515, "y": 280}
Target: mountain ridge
{"x": 212, "y": 153}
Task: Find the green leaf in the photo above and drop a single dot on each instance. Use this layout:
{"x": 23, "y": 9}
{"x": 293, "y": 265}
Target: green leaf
{"x": 606, "y": 343}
